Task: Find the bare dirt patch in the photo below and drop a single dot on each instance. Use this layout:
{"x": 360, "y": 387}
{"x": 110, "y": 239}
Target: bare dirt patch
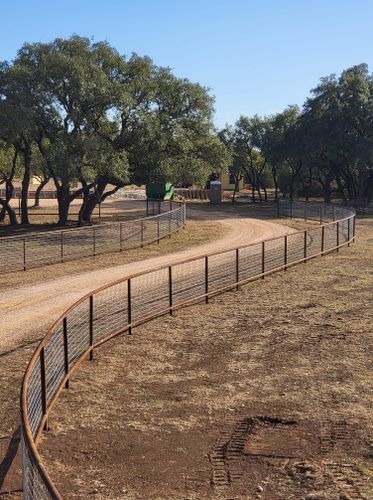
{"x": 264, "y": 393}
{"x": 31, "y": 301}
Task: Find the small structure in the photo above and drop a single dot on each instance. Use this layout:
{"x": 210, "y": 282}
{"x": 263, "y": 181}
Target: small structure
{"x": 215, "y": 192}
{"x": 159, "y": 190}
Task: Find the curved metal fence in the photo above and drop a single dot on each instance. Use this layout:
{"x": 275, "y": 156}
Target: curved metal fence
{"x": 136, "y": 299}
{"x": 51, "y": 247}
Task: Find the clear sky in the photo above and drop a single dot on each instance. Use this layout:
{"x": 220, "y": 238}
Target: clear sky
{"x": 255, "y": 56}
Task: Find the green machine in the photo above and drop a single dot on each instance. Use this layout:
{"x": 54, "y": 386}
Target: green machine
{"x": 160, "y": 190}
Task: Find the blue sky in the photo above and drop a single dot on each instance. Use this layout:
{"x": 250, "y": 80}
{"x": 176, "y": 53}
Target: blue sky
{"x": 255, "y": 56}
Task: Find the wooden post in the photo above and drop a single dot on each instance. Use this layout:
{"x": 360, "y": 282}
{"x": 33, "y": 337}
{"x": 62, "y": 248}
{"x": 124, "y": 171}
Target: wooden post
{"x": 158, "y": 229}
{"x": 348, "y": 232}
{"x": 322, "y": 239}
{"x": 91, "y": 326}
{"x": 66, "y": 350}
{"x": 337, "y": 236}
{"x": 129, "y": 305}
{"x": 305, "y": 246}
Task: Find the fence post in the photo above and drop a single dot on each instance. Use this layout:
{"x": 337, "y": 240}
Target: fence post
{"x": 120, "y": 237}
{"x": 169, "y": 224}
{"x": 237, "y": 267}
{"x": 285, "y": 252}
{"x": 129, "y": 305}
{"x": 142, "y": 234}
{"x": 354, "y": 227}
{"x": 206, "y": 279}
{"x": 158, "y": 229}
{"x": 91, "y": 326}
{"x": 159, "y": 207}
{"x": 305, "y": 246}
{"x": 322, "y": 239}
{"x": 24, "y": 253}
{"x": 263, "y": 259}
{"x": 61, "y": 246}
{"x": 94, "y": 241}
{"x": 170, "y": 288}
{"x": 348, "y": 231}
{"x": 99, "y": 210}
{"x": 337, "y": 236}
{"x": 43, "y": 387}
{"x": 66, "y": 351}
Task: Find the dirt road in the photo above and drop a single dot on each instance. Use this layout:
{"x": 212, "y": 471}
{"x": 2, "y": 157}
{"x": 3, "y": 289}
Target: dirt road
{"x": 34, "y": 308}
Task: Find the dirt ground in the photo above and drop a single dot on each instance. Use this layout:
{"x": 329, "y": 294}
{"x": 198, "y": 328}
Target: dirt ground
{"x": 264, "y": 393}
{"x": 45, "y": 217}
{"x": 34, "y": 299}
{"x": 31, "y": 301}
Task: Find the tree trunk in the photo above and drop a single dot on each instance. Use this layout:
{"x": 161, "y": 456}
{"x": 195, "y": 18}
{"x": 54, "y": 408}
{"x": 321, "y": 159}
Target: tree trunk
{"x": 265, "y": 192}
{"x": 291, "y": 188}
{"x": 259, "y": 192}
{"x": 93, "y": 199}
{"x": 64, "y": 199}
{"x": 253, "y": 187}
{"x": 340, "y": 188}
{"x": 89, "y": 204}
{"x": 274, "y": 175}
{"x": 25, "y": 186}
{"x": 236, "y": 186}
{"x": 10, "y": 211}
{"x": 39, "y": 189}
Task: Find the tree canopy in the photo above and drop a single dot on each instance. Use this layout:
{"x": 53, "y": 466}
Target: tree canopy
{"x": 100, "y": 120}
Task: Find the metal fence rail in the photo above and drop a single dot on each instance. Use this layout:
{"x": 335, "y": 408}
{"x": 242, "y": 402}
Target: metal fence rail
{"x": 136, "y": 299}
{"x": 50, "y": 247}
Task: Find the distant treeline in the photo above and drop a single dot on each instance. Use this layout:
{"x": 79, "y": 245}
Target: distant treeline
{"x": 90, "y": 120}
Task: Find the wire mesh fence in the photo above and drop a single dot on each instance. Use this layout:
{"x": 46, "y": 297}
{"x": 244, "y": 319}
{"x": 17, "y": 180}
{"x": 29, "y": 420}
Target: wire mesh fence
{"x": 50, "y": 247}
{"x": 117, "y": 308}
